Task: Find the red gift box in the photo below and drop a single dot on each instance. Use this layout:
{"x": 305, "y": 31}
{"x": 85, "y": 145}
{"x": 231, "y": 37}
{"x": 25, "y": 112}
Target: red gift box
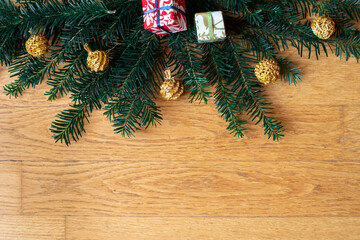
{"x": 164, "y": 17}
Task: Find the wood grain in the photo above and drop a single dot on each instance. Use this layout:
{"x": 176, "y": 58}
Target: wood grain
{"x": 329, "y": 81}
{"x": 218, "y": 188}
{"x": 32, "y": 228}
{"x": 189, "y": 179}
{"x": 10, "y": 187}
{"x": 352, "y": 132}
{"x": 188, "y": 133}
{"x": 154, "y": 228}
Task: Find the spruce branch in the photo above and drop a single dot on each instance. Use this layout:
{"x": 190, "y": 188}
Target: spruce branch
{"x": 14, "y": 89}
{"x": 9, "y": 35}
{"x": 53, "y": 13}
{"x": 91, "y": 87}
{"x": 301, "y": 8}
{"x": 299, "y": 35}
{"x": 185, "y": 56}
{"x": 348, "y": 45}
{"x": 250, "y": 93}
{"x": 118, "y": 26}
{"x": 9, "y": 14}
{"x": 245, "y": 7}
{"x": 126, "y": 119}
{"x": 219, "y": 75}
{"x": 62, "y": 79}
{"x": 29, "y": 72}
{"x": 8, "y": 42}
{"x": 70, "y": 123}
{"x": 135, "y": 65}
{"x": 131, "y": 113}
{"x": 150, "y": 114}
{"x": 349, "y": 8}
{"x": 130, "y": 107}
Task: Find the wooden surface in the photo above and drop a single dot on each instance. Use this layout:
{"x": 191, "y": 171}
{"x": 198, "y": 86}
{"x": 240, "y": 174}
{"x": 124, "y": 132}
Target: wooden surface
{"x": 188, "y": 178}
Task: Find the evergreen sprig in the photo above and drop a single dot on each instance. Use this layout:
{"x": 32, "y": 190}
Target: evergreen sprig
{"x": 186, "y": 57}
{"x": 127, "y": 89}
{"x": 219, "y": 71}
{"x": 249, "y": 91}
{"x": 70, "y": 123}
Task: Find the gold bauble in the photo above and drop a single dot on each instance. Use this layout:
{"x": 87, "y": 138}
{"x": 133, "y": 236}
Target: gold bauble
{"x": 267, "y": 71}
{"x": 98, "y": 60}
{"x": 37, "y": 46}
{"x": 323, "y": 27}
{"x": 171, "y": 89}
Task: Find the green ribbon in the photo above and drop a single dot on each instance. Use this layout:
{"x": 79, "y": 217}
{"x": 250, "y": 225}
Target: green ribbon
{"x": 211, "y": 27}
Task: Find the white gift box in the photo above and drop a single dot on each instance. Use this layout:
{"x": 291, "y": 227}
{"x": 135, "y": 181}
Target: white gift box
{"x": 210, "y": 26}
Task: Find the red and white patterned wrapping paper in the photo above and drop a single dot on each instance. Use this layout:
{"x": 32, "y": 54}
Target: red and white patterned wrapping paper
{"x": 170, "y": 19}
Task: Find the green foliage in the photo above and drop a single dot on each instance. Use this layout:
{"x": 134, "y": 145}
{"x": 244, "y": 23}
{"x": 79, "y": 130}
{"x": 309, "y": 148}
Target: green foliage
{"x": 70, "y": 124}
{"x": 29, "y": 71}
{"x": 346, "y": 8}
{"x": 220, "y": 72}
{"x": 63, "y": 79}
{"x": 10, "y": 20}
{"x": 186, "y": 57}
{"x": 129, "y": 114}
{"x": 249, "y": 91}
{"x": 132, "y": 86}
{"x": 127, "y": 89}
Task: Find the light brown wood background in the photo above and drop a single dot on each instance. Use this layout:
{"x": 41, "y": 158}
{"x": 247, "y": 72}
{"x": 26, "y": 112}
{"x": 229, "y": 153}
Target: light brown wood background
{"x": 188, "y": 178}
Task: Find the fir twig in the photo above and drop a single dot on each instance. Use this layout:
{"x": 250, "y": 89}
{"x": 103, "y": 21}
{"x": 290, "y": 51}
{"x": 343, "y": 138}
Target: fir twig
{"x": 186, "y": 58}
{"x": 70, "y": 123}
{"x": 219, "y": 74}
{"x": 249, "y": 90}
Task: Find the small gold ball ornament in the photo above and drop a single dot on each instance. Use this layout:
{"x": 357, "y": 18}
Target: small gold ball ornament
{"x": 37, "y": 46}
{"x": 98, "y": 60}
{"x": 171, "y": 89}
{"x": 267, "y": 71}
{"x": 323, "y": 27}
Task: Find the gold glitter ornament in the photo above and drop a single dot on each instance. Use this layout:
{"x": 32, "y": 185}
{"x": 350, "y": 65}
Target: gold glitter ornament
{"x": 98, "y": 60}
{"x": 37, "y": 46}
{"x": 267, "y": 71}
{"x": 323, "y": 27}
{"x": 171, "y": 89}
